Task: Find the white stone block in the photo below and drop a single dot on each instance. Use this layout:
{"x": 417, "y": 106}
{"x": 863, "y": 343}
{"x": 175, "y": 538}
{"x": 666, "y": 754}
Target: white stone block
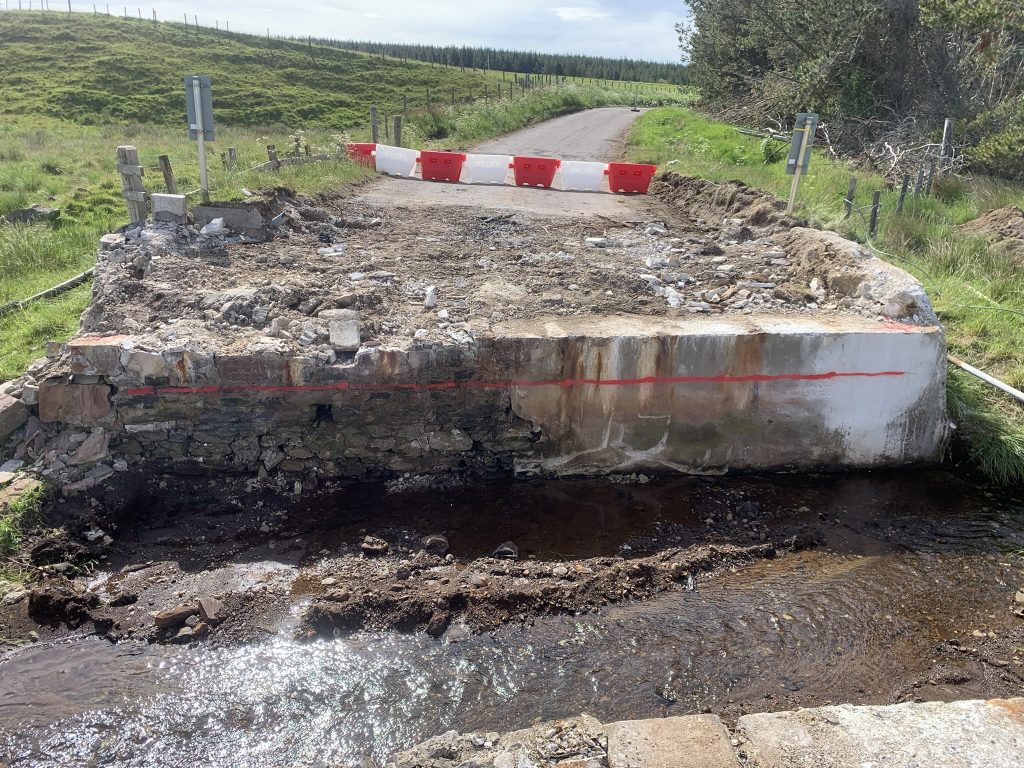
{"x": 172, "y": 208}
{"x": 345, "y": 335}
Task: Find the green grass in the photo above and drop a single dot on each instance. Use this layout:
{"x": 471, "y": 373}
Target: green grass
{"x": 110, "y": 70}
{"x": 19, "y": 515}
{"x": 977, "y": 288}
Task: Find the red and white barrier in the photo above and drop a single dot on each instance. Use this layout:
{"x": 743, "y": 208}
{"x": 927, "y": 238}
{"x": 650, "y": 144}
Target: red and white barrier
{"x": 524, "y": 171}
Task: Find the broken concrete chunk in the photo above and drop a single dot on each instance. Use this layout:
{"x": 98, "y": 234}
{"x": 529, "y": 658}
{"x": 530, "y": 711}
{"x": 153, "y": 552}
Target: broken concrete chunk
{"x": 111, "y": 241}
{"x": 345, "y": 335}
{"x": 169, "y": 208}
{"x": 97, "y": 355}
{"x": 215, "y": 227}
{"x": 13, "y": 414}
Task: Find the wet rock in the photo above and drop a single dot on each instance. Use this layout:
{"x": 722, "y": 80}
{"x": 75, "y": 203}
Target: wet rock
{"x": 174, "y": 617}
{"x": 374, "y": 547}
{"x": 506, "y": 551}
{"x": 184, "y": 635}
{"x": 211, "y": 610}
{"x": 438, "y": 623}
{"x": 435, "y": 544}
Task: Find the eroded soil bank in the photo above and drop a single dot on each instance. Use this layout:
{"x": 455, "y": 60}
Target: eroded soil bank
{"x": 628, "y": 599}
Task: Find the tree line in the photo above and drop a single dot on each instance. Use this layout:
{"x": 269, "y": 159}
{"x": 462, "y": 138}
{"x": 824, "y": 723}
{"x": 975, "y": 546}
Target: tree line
{"x": 881, "y": 72}
{"x": 525, "y": 62}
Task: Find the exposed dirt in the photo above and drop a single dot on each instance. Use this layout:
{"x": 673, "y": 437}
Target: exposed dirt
{"x": 1004, "y": 225}
{"x": 130, "y": 566}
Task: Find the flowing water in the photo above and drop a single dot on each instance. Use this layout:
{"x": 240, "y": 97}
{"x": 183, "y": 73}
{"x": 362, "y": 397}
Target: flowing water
{"x": 917, "y": 560}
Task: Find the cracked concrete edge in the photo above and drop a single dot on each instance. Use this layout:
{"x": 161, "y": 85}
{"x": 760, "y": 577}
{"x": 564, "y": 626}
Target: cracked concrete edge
{"x": 961, "y": 734}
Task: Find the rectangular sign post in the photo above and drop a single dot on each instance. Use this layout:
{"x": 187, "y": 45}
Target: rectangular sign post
{"x": 199, "y": 106}
{"x": 804, "y": 131}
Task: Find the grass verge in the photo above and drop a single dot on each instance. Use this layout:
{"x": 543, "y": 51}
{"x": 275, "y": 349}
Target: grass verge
{"x": 977, "y": 288}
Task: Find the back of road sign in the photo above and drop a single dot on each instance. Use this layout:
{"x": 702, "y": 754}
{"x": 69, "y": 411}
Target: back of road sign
{"x": 206, "y": 97}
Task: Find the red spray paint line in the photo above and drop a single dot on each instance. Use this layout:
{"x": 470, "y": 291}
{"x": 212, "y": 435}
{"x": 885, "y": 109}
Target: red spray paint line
{"x": 347, "y": 386}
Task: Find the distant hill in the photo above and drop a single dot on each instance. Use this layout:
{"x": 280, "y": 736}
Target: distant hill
{"x": 574, "y": 65}
{"x": 99, "y": 69}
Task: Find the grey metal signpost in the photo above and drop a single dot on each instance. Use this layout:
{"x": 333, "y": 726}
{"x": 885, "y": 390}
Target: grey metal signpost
{"x": 799, "y": 162}
{"x": 199, "y": 106}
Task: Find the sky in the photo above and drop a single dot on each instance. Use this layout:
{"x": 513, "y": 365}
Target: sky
{"x": 643, "y": 29}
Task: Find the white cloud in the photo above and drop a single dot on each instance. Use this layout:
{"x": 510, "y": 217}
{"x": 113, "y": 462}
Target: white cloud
{"x": 574, "y": 13}
{"x": 614, "y": 28}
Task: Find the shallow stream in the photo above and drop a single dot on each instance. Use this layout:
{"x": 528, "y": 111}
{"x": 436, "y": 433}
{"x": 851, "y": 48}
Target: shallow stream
{"x": 909, "y": 563}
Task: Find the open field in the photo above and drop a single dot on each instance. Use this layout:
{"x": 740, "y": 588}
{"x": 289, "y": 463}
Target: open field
{"x": 977, "y": 289}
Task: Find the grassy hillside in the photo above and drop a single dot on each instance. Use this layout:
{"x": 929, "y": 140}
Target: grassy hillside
{"x": 101, "y": 70}
{"x": 977, "y": 288}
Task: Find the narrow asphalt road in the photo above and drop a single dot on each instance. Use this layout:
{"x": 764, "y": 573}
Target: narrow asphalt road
{"x": 596, "y": 134}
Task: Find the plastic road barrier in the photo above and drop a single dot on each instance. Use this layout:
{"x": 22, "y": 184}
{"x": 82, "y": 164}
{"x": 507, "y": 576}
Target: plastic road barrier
{"x": 396, "y": 161}
{"x": 441, "y": 166}
{"x": 583, "y": 176}
{"x": 535, "y": 171}
{"x": 630, "y": 177}
{"x": 486, "y": 169}
{"x": 361, "y": 153}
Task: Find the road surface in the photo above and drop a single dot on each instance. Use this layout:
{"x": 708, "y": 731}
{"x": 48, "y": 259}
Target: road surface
{"x": 596, "y": 134}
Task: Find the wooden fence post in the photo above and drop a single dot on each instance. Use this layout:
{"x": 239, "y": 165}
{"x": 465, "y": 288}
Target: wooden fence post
{"x": 851, "y": 189}
{"x": 374, "y": 126}
{"x": 453, "y": 97}
{"x": 298, "y": 146}
{"x": 232, "y": 158}
{"x": 224, "y": 160}
{"x": 168, "y": 172}
{"x": 398, "y": 130}
{"x": 387, "y": 129}
{"x": 920, "y": 181}
{"x": 931, "y": 178}
{"x": 876, "y": 206}
{"x": 131, "y": 183}
{"x": 272, "y": 157}
{"x": 903, "y": 193}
